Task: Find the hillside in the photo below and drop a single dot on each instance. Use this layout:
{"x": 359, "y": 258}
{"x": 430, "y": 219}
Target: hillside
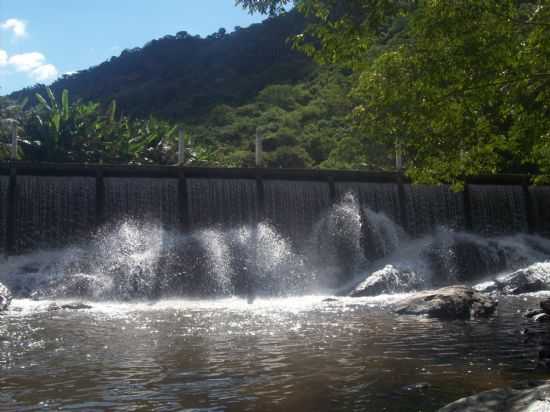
{"x": 183, "y": 76}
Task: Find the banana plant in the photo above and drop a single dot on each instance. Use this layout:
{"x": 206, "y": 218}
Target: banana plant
{"x": 53, "y": 118}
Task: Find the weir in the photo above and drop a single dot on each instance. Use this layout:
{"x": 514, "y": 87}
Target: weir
{"x": 141, "y": 232}
{"x": 43, "y": 204}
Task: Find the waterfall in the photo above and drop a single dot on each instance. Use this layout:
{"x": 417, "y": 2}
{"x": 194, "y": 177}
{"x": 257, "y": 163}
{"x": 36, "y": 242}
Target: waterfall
{"x": 221, "y": 202}
{"x": 141, "y": 199}
{"x": 293, "y": 207}
{"x": 540, "y": 196}
{"x": 498, "y": 209}
{"x": 274, "y": 237}
{"x": 431, "y": 206}
{"x": 4, "y": 182}
{"x": 378, "y": 197}
{"x": 53, "y": 211}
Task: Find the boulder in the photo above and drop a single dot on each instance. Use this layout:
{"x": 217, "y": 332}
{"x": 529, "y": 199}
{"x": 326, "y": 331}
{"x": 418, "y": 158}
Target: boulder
{"x": 531, "y": 279}
{"x": 533, "y": 312}
{"x": 75, "y": 306}
{"x": 542, "y": 317}
{"x": 390, "y": 279}
{"x": 545, "y": 305}
{"x": 5, "y": 297}
{"x": 451, "y": 302}
{"x": 505, "y": 400}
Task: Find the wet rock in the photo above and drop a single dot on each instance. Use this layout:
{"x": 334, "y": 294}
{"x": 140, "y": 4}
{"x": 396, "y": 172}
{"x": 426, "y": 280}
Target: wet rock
{"x": 452, "y": 302}
{"x": 531, "y": 279}
{"x": 390, "y": 279}
{"x": 533, "y": 312}
{"x": 545, "y": 306}
{"x": 422, "y": 386}
{"x": 5, "y": 297}
{"x": 487, "y": 287}
{"x": 542, "y": 317}
{"x": 53, "y": 307}
{"x": 505, "y": 400}
{"x": 75, "y": 306}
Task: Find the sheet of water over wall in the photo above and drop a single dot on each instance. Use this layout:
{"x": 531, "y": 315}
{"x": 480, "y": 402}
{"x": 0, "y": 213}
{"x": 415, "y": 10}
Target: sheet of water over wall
{"x": 540, "y": 198}
{"x": 498, "y": 210}
{"x": 145, "y": 200}
{"x": 221, "y": 202}
{"x": 53, "y": 211}
{"x": 4, "y": 183}
{"x": 294, "y": 207}
{"x": 430, "y": 206}
{"x": 378, "y": 197}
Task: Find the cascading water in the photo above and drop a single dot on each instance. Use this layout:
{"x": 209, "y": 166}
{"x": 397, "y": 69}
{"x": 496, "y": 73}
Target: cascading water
{"x": 221, "y": 202}
{"x": 498, "y": 210}
{"x": 4, "y": 182}
{"x": 141, "y": 199}
{"x": 293, "y": 207}
{"x": 304, "y": 245}
{"x": 378, "y": 197}
{"x": 540, "y": 196}
{"x": 431, "y": 206}
{"x": 53, "y": 211}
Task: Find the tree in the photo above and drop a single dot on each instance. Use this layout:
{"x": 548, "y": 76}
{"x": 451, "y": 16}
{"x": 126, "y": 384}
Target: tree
{"x": 461, "y": 86}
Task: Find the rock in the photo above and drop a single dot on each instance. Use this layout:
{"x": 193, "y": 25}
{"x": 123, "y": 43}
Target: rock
{"x": 505, "y": 400}
{"x": 75, "y": 306}
{"x": 545, "y": 306}
{"x": 5, "y": 297}
{"x": 53, "y": 307}
{"x": 451, "y": 302}
{"x": 487, "y": 287}
{"x": 531, "y": 279}
{"x": 533, "y": 312}
{"x": 422, "y": 386}
{"x": 390, "y": 279}
{"x": 327, "y": 300}
{"x": 542, "y": 317}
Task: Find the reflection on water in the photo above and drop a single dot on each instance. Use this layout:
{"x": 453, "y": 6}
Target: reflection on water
{"x": 297, "y": 354}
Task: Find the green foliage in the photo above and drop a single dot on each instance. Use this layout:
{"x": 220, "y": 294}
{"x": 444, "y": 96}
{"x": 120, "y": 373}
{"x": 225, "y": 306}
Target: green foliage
{"x": 304, "y": 125}
{"x": 182, "y": 77}
{"x": 461, "y": 86}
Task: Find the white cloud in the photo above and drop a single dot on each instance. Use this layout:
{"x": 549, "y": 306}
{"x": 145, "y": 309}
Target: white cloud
{"x": 18, "y": 27}
{"x": 27, "y": 62}
{"x": 3, "y": 58}
{"x": 44, "y": 73}
{"x": 34, "y": 64}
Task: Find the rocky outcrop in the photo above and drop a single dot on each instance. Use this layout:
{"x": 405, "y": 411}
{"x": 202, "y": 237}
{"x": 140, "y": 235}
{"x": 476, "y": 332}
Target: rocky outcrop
{"x": 531, "y": 279}
{"x": 452, "y": 302}
{"x": 505, "y": 400}
{"x": 5, "y": 297}
{"x": 390, "y": 279}
{"x": 76, "y": 306}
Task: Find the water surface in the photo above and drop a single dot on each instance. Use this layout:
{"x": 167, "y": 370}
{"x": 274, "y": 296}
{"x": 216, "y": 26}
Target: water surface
{"x": 294, "y": 354}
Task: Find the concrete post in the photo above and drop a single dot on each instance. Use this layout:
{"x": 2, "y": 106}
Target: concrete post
{"x": 181, "y": 147}
{"x": 398, "y": 155}
{"x": 259, "y": 150}
{"x": 14, "y": 141}
{"x": 11, "y": 232}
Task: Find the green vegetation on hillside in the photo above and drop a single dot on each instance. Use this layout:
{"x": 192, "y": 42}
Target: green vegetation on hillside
{"x": 463, "y": 87}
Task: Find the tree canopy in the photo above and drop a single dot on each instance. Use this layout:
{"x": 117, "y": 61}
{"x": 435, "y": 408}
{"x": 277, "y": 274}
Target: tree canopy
{"x": 462, "y": 87}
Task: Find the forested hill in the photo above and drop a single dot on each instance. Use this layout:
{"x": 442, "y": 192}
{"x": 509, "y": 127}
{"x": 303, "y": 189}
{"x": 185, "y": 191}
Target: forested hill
{"x": 183, "y": 76}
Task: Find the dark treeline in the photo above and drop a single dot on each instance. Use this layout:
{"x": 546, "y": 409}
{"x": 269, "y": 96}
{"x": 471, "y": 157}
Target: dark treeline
{"x": 180, "y": 77}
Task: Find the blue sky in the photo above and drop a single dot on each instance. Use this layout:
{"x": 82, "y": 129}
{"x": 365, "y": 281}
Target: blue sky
{"x": 40, "y": 40}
